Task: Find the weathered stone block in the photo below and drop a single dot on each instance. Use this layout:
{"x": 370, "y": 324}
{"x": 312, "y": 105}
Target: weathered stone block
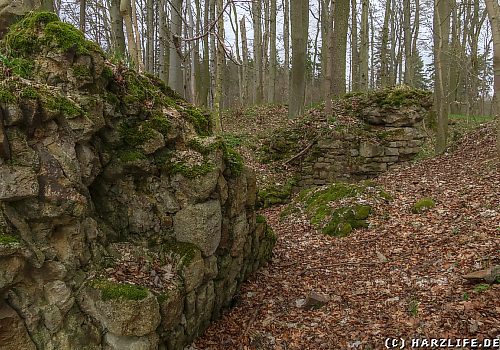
{"x": 17, "y": 183}
{"x": 192, "y": 272}
{"x": 13, "y": 333}
{"x": 122, "y": 316}
{"x": 200, "y": 224}
{"x": 367, "y": 150}
{"x": 120, "y": 342}
{"x": 391, "y": 151}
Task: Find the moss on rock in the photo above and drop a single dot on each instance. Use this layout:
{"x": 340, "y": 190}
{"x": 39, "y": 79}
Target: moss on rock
{"x": 183, "y": 251}
{"x": 275, "y": 194}
{"x": 8, "y": 239}
{"x": 113, "y": 290}
{"x": 390, "y": 97}
{"x": 346, "y": 219}
{"x": 339, "y": 208}
{"x": 38, "y": 30}
{"x": 423, "y": 205}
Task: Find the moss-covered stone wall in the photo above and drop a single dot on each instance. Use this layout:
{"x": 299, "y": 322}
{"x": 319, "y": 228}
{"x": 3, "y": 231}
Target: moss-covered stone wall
{"x": 124, "y": 223}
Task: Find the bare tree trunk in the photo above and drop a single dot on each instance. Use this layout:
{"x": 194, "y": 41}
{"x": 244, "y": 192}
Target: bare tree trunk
{"x": 408, "y": 75}
{"x": 137, "y": 37}
{"x": 299, "y": 15}
{"x": 244, "y": 48}
{"x": 217, "y": 114}
{"x": 83, "y": 8}
{"x": 126, "y": 12}
{"x": 272, "y": 54}
{"x": 354, "y": 47}
{"x": 118, "y": 37}
{"x": 442, "y": 12}
{"x": 339, "y": 46}
{"x": 150, "y": 30}
{"x": 493, "y": 9}
{"x": 286, "y": 43}
{"x": 194, "y": 56}
{"x": 257, "y": 46}
{"x": 363, "y": 52}
{"x": 235, "y": 26}
{"x": 164, "y": 49}
{"x": 384, "y": 50}
{"x": 176, "y": 76}
{"x": 327, "y": 15}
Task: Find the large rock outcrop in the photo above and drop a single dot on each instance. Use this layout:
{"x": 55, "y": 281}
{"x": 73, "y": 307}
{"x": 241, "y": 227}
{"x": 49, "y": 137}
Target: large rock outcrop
{"x": 123, "y": 223}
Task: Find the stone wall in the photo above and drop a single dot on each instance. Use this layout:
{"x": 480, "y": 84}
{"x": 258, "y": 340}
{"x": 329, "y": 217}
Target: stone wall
{"x": 123, "y": 223}
{"x": 368, "y": 133}
{"x": 345, "y": 156}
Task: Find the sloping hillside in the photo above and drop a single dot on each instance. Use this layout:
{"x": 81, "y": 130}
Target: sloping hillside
{"x": 400, "y": 277}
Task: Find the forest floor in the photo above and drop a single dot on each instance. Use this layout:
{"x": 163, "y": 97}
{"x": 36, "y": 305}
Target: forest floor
{"x": 402, "y": 277}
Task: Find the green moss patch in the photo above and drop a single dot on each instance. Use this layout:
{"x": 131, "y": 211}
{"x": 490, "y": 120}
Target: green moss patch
{"x": 201, "y": 121}
{"x": 423, "y": 205}
{"x": 275, "y": 194}
{"x": 112, "y": 290}
{"x": 127, "y": 156}
{"x": 38, "y": 30}
{"x": 7, "y": 239}
{"x": 183, "y": 251}
{"x": 260, "y": 219}
{"x": 339, "y": 208}
{"x": 191, "y": 171}
{"x": 390, "y": 97}
{"x": 345, "y": 219}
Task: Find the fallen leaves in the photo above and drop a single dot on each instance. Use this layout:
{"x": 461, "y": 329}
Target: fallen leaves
{"x": 402, "y": 276}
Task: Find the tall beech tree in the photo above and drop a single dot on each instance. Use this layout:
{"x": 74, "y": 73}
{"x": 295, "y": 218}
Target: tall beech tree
{"x": 299, "y": 18}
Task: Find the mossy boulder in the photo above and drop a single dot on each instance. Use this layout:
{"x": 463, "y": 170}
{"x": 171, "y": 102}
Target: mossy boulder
{"x": 123, "y": 309}
{"x": 275, "y": 194}
{"x": 423, "y": 205}
{"x": 339, "y": 208}
{"x": 346, "y": 219}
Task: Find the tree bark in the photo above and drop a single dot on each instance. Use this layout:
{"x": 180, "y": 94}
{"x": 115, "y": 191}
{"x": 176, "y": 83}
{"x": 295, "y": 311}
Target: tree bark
{"x": 364, "y": 49}
{"x": 272, "y": 54}
{"x": 117, "y": 34}
{"x": 493, "y": 9}
{"x": 83, "y": 8}
{"x": 299, "y": 16}
{"x": 286, "y": 43}
{"x": 176, "y": 76}
{"x": 244, "y": 53}
{"x": 354, "y": 47}
{"x": 442, "y": 14}
{"x": 257, "y": 47}
{"x": 384, "y": 50}
{"x": 217, "y": 113}
{"x": 339, "y": 47}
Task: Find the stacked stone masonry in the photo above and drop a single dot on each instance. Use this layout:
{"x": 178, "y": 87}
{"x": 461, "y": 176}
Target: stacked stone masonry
{"x": 123, "y": 224}
{"x": 389, "y": 137}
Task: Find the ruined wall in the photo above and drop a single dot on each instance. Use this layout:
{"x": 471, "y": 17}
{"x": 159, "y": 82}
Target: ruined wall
{"x": 367, "y": 134}
{"x": 123, "y": 223}
{"x": 355, "y": 154}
